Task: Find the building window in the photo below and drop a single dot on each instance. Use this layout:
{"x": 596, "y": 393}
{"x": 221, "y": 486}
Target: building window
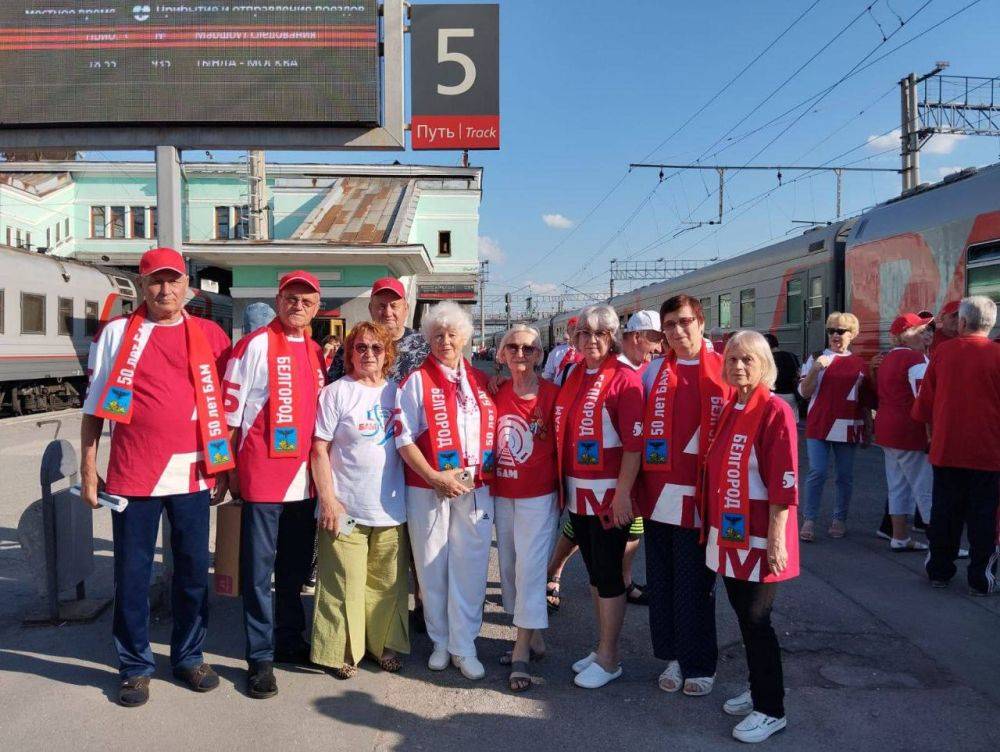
{"x": 48, "y": 237}
{"x": 90, "y": 318}
{"x": 8, "y": 235}
{"x": 242, "y": 228}
{"x": 222, "y": 223}
{"x": 66, "y": 228}
{"x": 64, "y": 321}
{"x": 726, "y": 310}
{"x": 153, "y": 226}
{"x": 20, "y": 243}
{"x": 793, "y": 301}
{"x": 748, "y": 308}
{"x": 444, "y": 243}
{"x": 58, "y": 230}
{"x": 706, "y": 310}
{"x": 117, "y": 221}
{"x": 98, "y": 225}
{"x": 27, "y": 240}
{"x": 816, "y": 299}
{"x": 32, "y": 313}
{"x": 138, "y": 221}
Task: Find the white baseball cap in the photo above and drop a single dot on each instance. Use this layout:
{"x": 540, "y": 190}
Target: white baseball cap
{"x": 642, "y": 321}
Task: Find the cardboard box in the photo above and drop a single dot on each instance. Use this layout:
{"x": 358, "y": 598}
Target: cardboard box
{"x": 227, "y": 549}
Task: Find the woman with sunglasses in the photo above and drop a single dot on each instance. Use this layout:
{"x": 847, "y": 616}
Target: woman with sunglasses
{"x": 524, "y": 490}
{"x": 362, "y": 584}
{"x": 837, "y": 385}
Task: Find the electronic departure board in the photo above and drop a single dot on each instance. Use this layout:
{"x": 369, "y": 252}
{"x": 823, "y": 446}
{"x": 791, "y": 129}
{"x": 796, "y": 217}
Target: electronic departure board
{"x": 99, "y": 62}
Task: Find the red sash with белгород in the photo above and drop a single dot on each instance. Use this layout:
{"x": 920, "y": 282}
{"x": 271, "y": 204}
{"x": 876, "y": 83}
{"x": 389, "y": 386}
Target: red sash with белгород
{"x": 285, "y": 427}
{"x": 117, "y": 401}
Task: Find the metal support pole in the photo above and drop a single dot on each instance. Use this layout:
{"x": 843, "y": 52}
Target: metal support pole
{"x": 914, "y": 130}
{"x": 840, "y": 181}
{"x": 257, "y": 167}
{"x": 722, "y": 186}
{"x": 169, "y": 228}
{"x": 484, "y": 267}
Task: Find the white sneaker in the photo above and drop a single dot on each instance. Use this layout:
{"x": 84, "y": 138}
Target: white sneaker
{"x": 742, "y": 704}
{"x": 583, "y": 663}
{"x": 470, "y": 666}
{"x": 757, "y": 727}
{"x": 595, "y": 677}
{"x": 671, "y": 679}
{"x": 439, "y": 659}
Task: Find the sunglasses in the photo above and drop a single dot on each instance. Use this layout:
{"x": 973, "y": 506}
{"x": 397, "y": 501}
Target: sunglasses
{"x": 524, "y": 349}
{"x": 362, "y": 348}
{"x": 683, "y": 321}
{"x": 834, "y": 330}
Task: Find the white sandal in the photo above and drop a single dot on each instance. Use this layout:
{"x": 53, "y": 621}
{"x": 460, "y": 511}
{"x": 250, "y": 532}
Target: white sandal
{"x": 671, "y": 680}
{"x": 698, "y": 686}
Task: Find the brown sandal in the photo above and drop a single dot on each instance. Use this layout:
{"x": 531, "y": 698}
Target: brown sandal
{"x": 392, "y": 664}
{"x": 520, "y": 678}
{"x": 347, "y": 671}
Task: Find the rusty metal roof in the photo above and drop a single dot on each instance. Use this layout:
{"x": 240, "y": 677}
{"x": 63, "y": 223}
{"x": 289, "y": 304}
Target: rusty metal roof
{"x": 36, "y": 183}
{"x": 361, "y": 210}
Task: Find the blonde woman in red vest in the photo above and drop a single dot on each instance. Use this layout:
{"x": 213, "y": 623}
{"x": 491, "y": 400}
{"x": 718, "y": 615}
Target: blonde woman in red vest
{"x": 751, "y": 470}
{"x": 598, "y": 421}
{"x": 448, "y": 428}
{"x": 837, "y": 386}
{"x": 685, "y": 393}
{"x": 524, "y": 489}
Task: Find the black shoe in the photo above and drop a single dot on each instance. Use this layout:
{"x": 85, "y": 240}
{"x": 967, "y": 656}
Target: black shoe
{"x": 133, "y": 691}
{"x": 261, "y": 683}
{"x": 298, "y": 656}
{"x": 201, "y": 678}
{"x": 642, "y": 599}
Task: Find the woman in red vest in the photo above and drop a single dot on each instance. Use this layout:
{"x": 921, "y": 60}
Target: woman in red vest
{"x": 598, "y": 421}
{"x": 837, "y": 386}
{"x": 751, "y": 471}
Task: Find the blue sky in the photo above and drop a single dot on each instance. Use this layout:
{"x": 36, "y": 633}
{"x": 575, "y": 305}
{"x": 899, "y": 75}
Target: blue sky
{"x": 587, "y": 87}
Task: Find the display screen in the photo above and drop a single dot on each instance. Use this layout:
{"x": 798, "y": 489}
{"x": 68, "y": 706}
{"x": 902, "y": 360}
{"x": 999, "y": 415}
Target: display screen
{"x": 266, "y": 62}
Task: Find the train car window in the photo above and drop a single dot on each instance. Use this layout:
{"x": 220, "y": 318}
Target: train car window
{"x": 90, "y": 318}
{"x": 706, "y": 307}
{"x": 1, "y": 312}
{"x": 726, "y": 310}
{"x": 748, "y": 307}
{"x": 64, "y": 317}
{"x": 32, "y": 313}
{"x": 117, "y": 221}
{"x": 222, "y": 222}
{"x": 983, "y": 272}
{"x": 98, "y": 224}
{"x": 816, "y": 299}
{"x": 793, "y": 301}
{"x": 138, "y": 221}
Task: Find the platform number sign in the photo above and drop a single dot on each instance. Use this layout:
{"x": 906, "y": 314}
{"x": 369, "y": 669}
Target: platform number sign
{"x": 455, "y": 76}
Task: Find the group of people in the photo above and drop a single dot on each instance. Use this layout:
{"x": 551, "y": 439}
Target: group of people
{"x": 400, "y": 452}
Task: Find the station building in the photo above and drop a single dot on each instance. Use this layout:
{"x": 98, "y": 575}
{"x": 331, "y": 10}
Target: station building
{"x": 347, "y": 224}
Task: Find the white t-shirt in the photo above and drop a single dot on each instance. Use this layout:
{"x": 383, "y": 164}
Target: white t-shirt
{"x": 361, "y": 423}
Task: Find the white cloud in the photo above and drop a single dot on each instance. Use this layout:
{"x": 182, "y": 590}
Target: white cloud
{"x": 943, "y": 143}
{"x": 543, "y": 288}
{"x": 944, "y": 172}
{"x": 557, "y": 221}
{"x": 490, "y": 250}
{"x": 885, "y": 141}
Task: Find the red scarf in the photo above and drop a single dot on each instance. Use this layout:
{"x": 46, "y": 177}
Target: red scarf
{"x": 585, "y": 415}
{"x": 284, "y": 404}
{"x": 116, "y": 402}
{"x": 733, "y": 490}
{"x": 658, "y": 420}
{"x": 441, "y": 412}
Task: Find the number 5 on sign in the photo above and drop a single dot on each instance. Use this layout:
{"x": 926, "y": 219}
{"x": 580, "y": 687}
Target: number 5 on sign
{"x": 444, "y": 56}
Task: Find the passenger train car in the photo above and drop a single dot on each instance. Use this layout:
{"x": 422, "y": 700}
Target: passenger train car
{"x": 916, "y": 252}
{"x": 50, "y": 310}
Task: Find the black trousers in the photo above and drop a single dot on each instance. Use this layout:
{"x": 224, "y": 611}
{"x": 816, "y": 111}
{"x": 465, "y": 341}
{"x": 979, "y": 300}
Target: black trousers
{"x": 603, "y": 552}
{"x": 275, "y": 539}
{"x": 752, "y": 603}
{"x": 968, "y": 498}
{"x": 681, "y": 599}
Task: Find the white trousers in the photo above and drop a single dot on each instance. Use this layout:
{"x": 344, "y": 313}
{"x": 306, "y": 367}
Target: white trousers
{"x": 525, "y": 532}
{"x": 910, "y": 482}
{"x": 450, "y": 541}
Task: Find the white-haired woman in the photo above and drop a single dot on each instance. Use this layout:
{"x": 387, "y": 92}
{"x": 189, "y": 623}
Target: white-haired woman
{"x": 836, "y": 384}
{"x": 908, "y": 475}
{"x": 597, "y": 412}
{"x": 750, "y": 483}
{"x": 448, "y": 428}
{"x": 524, "y": 491}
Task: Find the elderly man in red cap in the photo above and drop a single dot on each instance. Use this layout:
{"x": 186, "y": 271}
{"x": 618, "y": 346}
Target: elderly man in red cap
{"x": 155, "y": 376}
{"x": 272, "y": 385}
{"x": 563, "y": 355}
{"x": 388, "y": 307}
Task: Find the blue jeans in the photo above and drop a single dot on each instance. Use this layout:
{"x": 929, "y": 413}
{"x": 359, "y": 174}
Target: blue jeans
{"x": 818, "y": 452}
{"x": 134, "y": 532}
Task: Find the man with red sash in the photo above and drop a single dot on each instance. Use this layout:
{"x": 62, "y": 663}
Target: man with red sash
{"x": 684, "y": 394}
{"x": 448, "y": 428}
{"x": 562, "y": 356}
{"x": 155, "y": 376}
{"x": 271, "y": 386}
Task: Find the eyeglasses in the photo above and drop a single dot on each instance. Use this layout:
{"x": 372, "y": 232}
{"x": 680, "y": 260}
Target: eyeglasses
{"x": 834, "y": 330}
{"x": 683, "y": 321}
{"x": 362, "y": 348}
{"x": 294, "y": 301}
{"x": 525, "y": 349}
{"x": 588, "y": 334}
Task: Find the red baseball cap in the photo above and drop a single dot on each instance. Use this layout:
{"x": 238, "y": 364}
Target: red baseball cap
{"x": 949, "y": 307}
{"x": 908, "y": 321}
{"x": 573, "y": 321}
{"x": 388, "y": 283}
{"x": 159, "y": 259}
{"x": 299, "y": 276}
